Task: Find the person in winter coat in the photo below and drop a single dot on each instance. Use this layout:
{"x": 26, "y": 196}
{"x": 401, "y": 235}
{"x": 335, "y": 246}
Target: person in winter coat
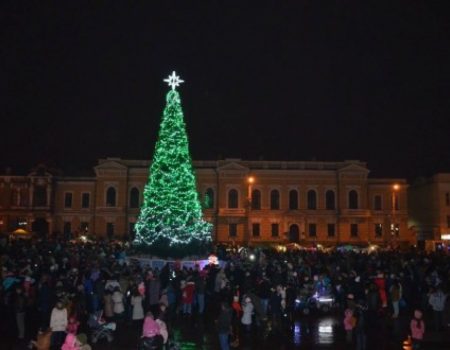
{"x": 137, "y": 309}
{"x": 153, "y": 290}
{"x": 118, "y": 307}
{"x": 224, "y": 326}
{"x": 247, "y": 313}
{"x": 108, "y": 305}
{"x": 19, "y": 308}
{"x": 70, "y": 343}
{"x": 42, "y": 341}
{"x": 349, "y": 324}
{"x": 417, "y": 327}
{"x": 72, "y": 326}
{"x": 437, "y": 300}
{"x": 380, "y": 282}
{"x": 360, "y": 328}
{"x": 187, "y": 297}
{"x": 395, "y": 294}
{"x": 58, "y": 324}
{"x": 150, "y": 328}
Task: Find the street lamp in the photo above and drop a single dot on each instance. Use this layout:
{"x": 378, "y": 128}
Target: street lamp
{"x": 394, "y": 231}
{"x": 250, "y": 182}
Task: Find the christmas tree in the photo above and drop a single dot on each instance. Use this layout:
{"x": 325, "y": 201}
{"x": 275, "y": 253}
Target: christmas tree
{"x": 171, "y": 222}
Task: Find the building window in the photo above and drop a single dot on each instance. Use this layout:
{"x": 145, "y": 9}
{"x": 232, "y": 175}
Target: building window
{"x": 378, "y": 230}
{"x": 233, "y": 199}
{"x": 330, "y": 200}
{"x": 134, "y": 198}
{"x": 274, "y": 200}
{"x": 232, "y": 230}
{"x": 353, "y": 199}
{"x": 85, "y": 200}
{"x": 275, "y": 228}
{"x": 209, "y": 199}
{"x": 312, "y": 230}
{"x": 40, "y": 196}
{"x": 353, "y": 230}
{"x": 331, "y": 230}
{"x": 111, "y": 197}
{"x": 256, "y": 229}
{"x": 256, "y": 199}
{"x": 312, "y": 200}
{"x": 67, "y": 228}
{"x": 15, "y": 197}
{"x": 84, "y": 227}
{"x": 447, "y": 199}
{"x": 110, "y": 229}
{"x": 395, "y": 230}
{"x": 293, "y": 200}
{"x": 67, "y": 200}
{"x": 377, "y": 202}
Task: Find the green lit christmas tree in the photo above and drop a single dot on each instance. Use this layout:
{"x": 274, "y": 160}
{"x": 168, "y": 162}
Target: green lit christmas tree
{"x": 170, "y": 222}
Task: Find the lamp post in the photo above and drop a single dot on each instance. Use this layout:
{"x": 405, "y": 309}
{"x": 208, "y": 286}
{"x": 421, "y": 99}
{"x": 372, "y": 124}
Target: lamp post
{"x": 395, "y": 189}
{"x": 250, "y": 181}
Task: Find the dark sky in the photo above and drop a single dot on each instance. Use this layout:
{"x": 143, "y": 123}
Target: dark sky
{"x": 329, "y": 80}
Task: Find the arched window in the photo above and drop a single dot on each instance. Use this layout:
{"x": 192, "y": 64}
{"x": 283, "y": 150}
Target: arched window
{"x": 330, "y": 202}
{"x": 209, "y": 198}
{"x": 312, "y": 200}
{"x": 256, "y": 199}
{"x": 293, "y": 199}
{"x": 353, "y": 199}
{"x": 40, "y": 196}
{"x": 134, "y": 198}
{"x": 233, "y": 199}
{"x": 111, "y": 197}
{"x": 274, "y": 200}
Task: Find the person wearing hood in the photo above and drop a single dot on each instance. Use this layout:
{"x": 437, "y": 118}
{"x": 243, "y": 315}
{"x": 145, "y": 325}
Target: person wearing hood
{"x": 70, "y": 343}
{"x": 58, "y": 324}
{"x": 417, "y": 327}
{"x": 187, "y": 297}
{"x": 437, "y": 300}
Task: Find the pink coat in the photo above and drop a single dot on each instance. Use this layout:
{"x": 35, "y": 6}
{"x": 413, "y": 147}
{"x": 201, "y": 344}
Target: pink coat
{"x": 70, "y": 343}
{"x": 348, "y": 315}
{"x": 150, "y": 328}
{"x": 417, "y": 329}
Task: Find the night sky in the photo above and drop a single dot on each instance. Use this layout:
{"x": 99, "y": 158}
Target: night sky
{"x": 299, "y": 80}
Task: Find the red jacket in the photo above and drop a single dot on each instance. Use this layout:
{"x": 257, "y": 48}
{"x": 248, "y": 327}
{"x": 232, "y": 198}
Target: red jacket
{"x": 187, "y": 296}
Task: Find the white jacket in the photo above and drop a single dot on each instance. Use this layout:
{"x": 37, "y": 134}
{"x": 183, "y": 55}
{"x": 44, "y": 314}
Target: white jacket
{"x": 58, "y": 320}
{"x": 246, "y": 319}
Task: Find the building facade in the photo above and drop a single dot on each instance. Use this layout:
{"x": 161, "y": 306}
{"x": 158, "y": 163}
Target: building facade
{"x": 248, "y": 202}
{"x": 429, "y": 209}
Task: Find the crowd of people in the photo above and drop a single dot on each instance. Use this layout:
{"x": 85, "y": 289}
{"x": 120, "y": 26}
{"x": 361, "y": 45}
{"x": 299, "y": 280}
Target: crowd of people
{"x": 62, "y": 295}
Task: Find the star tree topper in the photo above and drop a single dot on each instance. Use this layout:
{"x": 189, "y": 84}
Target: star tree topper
{"x": 173, "y": 80}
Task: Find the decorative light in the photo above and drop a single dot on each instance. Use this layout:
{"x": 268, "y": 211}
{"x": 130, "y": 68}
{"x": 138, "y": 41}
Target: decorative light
{"x": 173, "y": 80}
{"x": 171, "y": 221}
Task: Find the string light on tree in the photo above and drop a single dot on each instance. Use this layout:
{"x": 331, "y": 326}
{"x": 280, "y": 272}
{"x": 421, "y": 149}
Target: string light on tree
{"x": 171, "y": 221}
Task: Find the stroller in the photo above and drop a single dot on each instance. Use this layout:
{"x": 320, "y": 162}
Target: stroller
{"x": 100, "y": 329}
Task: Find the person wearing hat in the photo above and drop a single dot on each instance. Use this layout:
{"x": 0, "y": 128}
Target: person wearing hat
{"x": 417, "y": 327}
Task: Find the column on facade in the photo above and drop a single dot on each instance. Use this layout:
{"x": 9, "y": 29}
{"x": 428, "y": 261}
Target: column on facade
{"x": 49, "y": 190}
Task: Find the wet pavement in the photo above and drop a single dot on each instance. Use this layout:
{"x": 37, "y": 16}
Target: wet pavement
{"x": 320, "y": 331}
{"x": 307, "y": 332}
